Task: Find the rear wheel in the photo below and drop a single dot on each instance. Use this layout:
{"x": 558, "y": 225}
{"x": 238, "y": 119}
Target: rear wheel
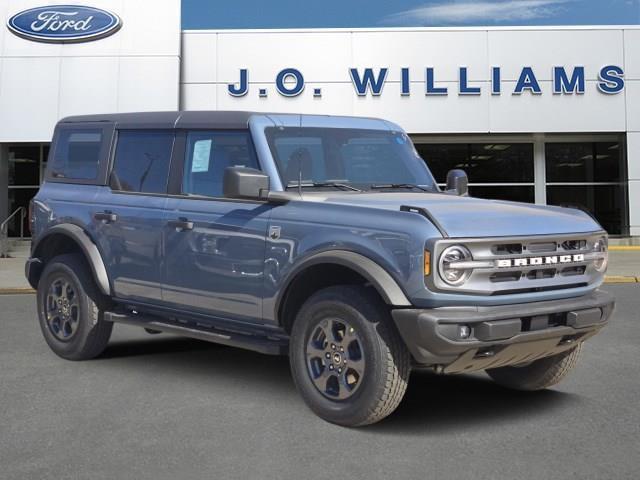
{"x": 347, "y": 360}
{"x": 539, "y": 374}
{"x": 69, "y": 305}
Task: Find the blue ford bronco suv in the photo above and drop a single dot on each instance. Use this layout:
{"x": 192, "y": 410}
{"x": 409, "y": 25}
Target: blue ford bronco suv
{"x": 324, "y": 238}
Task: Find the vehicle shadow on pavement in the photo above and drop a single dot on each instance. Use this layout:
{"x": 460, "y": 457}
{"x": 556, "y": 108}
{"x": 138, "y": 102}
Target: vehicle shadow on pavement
{"x": 465, "y": 402}
{"x": 157, "y": 344}
{"x": 218, "y": 365}
{"x": 432, "y": 402}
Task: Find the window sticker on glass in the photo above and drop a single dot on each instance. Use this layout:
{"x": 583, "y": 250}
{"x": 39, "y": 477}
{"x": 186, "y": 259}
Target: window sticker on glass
{"x": 201, "y": 154}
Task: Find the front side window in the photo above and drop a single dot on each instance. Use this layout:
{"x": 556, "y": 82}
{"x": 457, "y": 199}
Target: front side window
{"x": 358, "y": 158}
{"x": 77, "y": 154}
{"x": 142, "y": 161}
{"x": 208, "y": 154}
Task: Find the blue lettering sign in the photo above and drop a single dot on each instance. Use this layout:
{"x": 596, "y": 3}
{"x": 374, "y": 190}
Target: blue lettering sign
{"x": 290, "y": 82}
{"x": 611, "y": 79}
{"x": 368, "y": 81}
{"x": 243, "y": 86}
{"x": 297, "y": 87}
{"x": 464, "y": 88}
{"x": 527, "y": 81}
{"x": 563, "y": 84}
{"x": 496, "y": 86}
{"x": 405, "y": 85}
{"x": 431, "y": 88}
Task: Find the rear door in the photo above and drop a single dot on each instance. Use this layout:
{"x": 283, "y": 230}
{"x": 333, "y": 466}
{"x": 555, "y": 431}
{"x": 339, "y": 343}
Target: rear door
{"x": 215, "y": 246}
{"x": 129, "y": 217}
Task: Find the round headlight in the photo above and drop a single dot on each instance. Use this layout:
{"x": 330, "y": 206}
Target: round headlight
{"x": 448, "y": 273}
{"x": 601, "y": 246}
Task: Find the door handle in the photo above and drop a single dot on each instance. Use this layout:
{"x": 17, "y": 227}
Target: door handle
{"x": 181, "y": 224}
{"x": 106, "y": 217}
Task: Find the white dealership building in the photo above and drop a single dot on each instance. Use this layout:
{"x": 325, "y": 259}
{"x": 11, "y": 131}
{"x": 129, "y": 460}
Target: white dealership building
{"x": 546, "y": 115}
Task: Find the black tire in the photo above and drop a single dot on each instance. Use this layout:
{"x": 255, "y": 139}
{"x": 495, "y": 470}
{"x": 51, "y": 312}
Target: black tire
{"x": 539, "y": 374}
{"x": 85, "y": 332}
{"x": 386, "y": 367}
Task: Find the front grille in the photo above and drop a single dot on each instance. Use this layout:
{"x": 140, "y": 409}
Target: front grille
{"x": 514, "y": 265}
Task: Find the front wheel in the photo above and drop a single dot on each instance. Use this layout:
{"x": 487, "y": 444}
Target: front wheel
{"x": 347, "y": 360}
{"x": 539, "y": 374}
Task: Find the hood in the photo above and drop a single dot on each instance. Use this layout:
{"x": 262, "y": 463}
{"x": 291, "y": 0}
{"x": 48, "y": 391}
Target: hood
{"x": 472, "y": 217}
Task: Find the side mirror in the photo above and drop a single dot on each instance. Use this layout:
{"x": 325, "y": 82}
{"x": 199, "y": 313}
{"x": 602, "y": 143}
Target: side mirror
{"x": 457, "y": 182}
{"x": 245, "y": 183}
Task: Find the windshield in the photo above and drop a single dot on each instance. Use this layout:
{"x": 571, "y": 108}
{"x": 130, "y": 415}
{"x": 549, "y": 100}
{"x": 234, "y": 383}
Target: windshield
{"x": 339, "y": 157}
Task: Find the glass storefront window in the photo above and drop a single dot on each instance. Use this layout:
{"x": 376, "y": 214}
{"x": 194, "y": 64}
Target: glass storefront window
{"x": 483, "y": 162}
{"x": 486, "y": 163}
{"x": 590, "y": 176}
{"x": 19, "y": 197}
{"x": 515, "y": 194}
{"x": 605, "y": 202}
{"x": 441, "y": 158}
{"x": 501, "y": 163}
{"x": 24, "y": 165}
{"x": 583, "y": 162}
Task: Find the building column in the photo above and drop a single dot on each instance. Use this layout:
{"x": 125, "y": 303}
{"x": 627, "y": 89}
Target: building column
{"x": 633, "y": 166}
{"x": 540, "y": 169}
{"x": 4, "y": 183}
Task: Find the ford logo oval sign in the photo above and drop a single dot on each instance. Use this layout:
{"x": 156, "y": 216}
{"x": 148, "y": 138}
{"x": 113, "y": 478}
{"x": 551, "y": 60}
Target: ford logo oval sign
{"x": 64, "y": 23}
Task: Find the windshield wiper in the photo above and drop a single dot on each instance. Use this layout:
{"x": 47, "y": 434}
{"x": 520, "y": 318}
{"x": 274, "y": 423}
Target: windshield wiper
{"x": 399, "y": 185}
{"x": 343, "y": 186}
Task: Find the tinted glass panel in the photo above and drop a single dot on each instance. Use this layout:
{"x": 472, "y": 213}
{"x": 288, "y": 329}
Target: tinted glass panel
{"x": 289, "y": 150}
{"x": 207, "y": 156}
{"x": 24, "y": 165}
{"x": 441, "y": 158}
{"x": 142, "y": 161}
{"x": 514, "y": 194}
{"x": 483, "y": 162}
{"x": 583, "y": 162}
{"x": 358, "y": 157}
{"x": 77, "y": 154}
{"x": 605, "y": 202}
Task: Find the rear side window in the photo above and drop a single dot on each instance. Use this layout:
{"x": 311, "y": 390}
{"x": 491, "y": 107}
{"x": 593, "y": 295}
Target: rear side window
{"x": 208, "y": 154}
{"x": 77, "y": 154}
{"x": 142, "y": 161}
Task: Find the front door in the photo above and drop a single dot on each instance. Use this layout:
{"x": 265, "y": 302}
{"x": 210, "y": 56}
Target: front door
{"x": 214, "y": 246}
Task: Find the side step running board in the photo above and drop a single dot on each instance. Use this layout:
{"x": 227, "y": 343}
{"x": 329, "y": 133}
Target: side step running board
{"x": 271, "y": 345}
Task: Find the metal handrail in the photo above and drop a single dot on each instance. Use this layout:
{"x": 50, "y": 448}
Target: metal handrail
{"x": 4, "y": 230}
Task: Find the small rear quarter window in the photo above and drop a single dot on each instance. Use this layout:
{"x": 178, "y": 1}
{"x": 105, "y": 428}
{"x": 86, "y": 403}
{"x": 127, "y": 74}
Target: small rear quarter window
{"x": 77, "y": 154}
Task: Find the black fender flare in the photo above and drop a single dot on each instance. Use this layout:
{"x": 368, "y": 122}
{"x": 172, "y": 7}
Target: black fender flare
{"x": 376, "y": 275}
{"x": 90, "y": 250}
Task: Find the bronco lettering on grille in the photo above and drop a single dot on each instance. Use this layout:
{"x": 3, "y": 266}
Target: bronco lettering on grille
{"x": 536, "y": 261}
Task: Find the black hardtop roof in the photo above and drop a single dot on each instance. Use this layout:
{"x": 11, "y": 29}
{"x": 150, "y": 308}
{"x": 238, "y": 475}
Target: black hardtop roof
{"x": 203, "y": 119}
{"x": 176, "y": 119}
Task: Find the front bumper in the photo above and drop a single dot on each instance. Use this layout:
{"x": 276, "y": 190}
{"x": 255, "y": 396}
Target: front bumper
{"x": 501, "y": 335}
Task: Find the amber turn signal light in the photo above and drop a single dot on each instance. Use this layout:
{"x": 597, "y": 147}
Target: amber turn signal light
{"x": 427, "y": 263}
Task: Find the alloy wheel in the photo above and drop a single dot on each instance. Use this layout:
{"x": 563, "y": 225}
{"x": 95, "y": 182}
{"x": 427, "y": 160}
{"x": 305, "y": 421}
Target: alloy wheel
{"x": 335, "y": 358}
{"x": 62, "y": 309}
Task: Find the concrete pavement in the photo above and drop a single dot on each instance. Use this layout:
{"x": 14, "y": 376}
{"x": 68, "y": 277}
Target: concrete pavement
{"x": 12, "y": 279}
{"x": 161, "y": 407}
